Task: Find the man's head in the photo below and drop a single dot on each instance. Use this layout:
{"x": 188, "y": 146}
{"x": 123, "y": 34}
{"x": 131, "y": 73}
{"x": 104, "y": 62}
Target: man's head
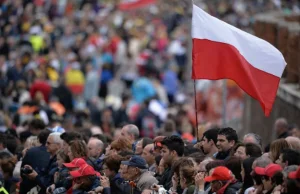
{"x": 148, "y": 154}
{"x": 54, "y": 143}
{"x": 131, "y": 132}
{"x": 295, "y": 131}
{"x": 281, "y": 126}
{"x": 227, "y": 138}
{"x": 172, "y": 148}
{"x": 288, "y": 157}
{"x": 3, "y": 141}
{"x": 219, "y": 177}
{"x": 43, "y": 136}
{"x": 67, "y": 137}
{"x": 252, "y": 138}
{"x": 95, "y": 148}
{"x": 36, "y": 126}
{"x": 135, "y": 166}
{"x": 294, "y": 142}
{"x": 84, "y": 176}
{"x": 209, "y": 140}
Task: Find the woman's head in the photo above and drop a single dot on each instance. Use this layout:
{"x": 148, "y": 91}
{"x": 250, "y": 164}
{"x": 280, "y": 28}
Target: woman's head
{"x": 276, "y": 147}
{"x": 239, "y": 151}
{"x": 182, "y": 162}
{"x": 246, "y": 173}
{"x": 253, "y": 150}
{"x": 77, "y": 149}
{"x": 111, "y": 165}
{"x": 186, "y": 176}
{"x": 121, "y": 144}
{"x": 234, "y": 165}
{"x": 62, "y": 158}
{"x": 32, "y": 141}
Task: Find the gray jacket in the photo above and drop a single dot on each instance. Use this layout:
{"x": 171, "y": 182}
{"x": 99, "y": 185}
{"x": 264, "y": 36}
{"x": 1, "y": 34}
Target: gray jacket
{"x": 145, "y": 181}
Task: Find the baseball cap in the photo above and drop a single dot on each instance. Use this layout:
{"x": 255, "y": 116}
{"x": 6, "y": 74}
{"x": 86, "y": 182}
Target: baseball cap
{"x": 136, "y": 161}
{"x": 85, "y": 170}
{"x": 269, "y": 171}
{"x": 220, "y": 173}
{"x": 295, "y": 174}
{"x": 76, "y": 163}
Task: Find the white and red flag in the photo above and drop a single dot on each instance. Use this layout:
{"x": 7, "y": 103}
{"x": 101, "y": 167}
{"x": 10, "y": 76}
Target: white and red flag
{"x": 221, "y": 51}
{"x": 134, "y": 4}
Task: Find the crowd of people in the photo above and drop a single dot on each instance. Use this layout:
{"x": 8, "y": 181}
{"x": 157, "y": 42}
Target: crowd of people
{"x": 94, "y": 100}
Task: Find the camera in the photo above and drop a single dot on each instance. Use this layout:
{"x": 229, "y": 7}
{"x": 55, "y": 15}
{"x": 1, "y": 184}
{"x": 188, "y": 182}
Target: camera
{"x": 26, "y": 170}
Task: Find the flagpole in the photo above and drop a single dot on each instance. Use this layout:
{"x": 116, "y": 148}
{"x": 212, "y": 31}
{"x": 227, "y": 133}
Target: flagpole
{"x": 224, "y": 102}
{"x": 196, "y": 111}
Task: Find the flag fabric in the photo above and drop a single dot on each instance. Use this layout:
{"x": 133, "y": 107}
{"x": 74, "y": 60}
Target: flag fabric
{"x": 134, "y": 4}
{"x": 221, "y": 51}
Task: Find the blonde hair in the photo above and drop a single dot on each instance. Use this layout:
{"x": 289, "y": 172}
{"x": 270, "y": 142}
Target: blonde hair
{"x": 32, "y": 141}
{"x": 276, "y": 147}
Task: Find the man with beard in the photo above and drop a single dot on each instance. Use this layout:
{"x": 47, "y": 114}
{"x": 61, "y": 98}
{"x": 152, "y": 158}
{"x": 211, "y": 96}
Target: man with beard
{"x": 227, "y": 138}
{"x": 209, "y": 141}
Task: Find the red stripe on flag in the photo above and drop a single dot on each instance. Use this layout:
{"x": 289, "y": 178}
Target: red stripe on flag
{"x": 136, "y": 4}
{"x": 215, "y": 60}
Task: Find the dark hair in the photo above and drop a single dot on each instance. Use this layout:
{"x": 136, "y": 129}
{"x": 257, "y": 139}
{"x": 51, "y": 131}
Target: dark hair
{"x": 126, "y": 153}
{"x": 235, "y": 147}
{"x": 37, "y": 124}
{"x": 3, "y": 139}
{"x": 292, "y": 186}
{"x": 214, "y": 164}
{"x": 277, "y": 178}
{"x": 70, "y": 136}
{"x": 234, "y": 164}
{"x": 212, "y": 134}
{"x": 291, "y": 156}
{"x": 43, "y": 136}
{"x": 11, "y": 143}
{"x": 157, "y": 159}
{"x": 229, "y": 133}
{"x": 64, "y": 156}
{"x": 253, "y": 150}
{"x": 188, "y": 150}
{"x": 174, "y": 143}
{"x": 147, "y": 141}
{"x": 113, "y": 162}
{"x": 248, "y": 181}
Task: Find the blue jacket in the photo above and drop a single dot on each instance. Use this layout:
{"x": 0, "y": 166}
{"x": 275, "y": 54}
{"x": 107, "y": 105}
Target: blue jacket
{"x": 95, "y": 184}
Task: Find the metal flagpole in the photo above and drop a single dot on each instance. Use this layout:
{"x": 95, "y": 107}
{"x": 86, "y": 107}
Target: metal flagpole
{"x": 224, "y": 102}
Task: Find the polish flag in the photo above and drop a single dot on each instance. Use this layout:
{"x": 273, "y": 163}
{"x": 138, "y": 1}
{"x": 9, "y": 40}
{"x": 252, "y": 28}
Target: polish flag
{"x": 221, "y": 51}
{"x": 135, "y": 4}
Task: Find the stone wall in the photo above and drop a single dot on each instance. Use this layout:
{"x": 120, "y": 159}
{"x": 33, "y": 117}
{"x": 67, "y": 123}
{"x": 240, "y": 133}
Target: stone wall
{"x": 283, "y": 31}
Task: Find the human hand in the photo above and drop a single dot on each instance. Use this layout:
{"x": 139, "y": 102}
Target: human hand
{"x": 105, "y": 182}
{"x": 174, "y": 182}
{"x": 199, "y": 180}
{"x": 33, "y": 174}
{"x": 50, "y": 189}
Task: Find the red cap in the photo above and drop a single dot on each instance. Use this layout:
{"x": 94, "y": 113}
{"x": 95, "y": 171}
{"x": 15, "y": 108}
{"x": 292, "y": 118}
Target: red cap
{"x": 269, "y": 171}
{"x": 295, "y": 174}
{"x": 76, "y": 163}
{"x": 85, "y": 170}
{"x": 220, "y": 173}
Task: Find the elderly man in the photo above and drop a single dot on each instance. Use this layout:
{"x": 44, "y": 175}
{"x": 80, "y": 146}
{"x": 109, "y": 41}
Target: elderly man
{"x": 95, "y": 148}
{"x": 132, "y": 133}
{"x": 138, "y": 174}
{"x": 46, "y": 178}
{"x": 252, "y": 138}
{"x": 148, "y": 155}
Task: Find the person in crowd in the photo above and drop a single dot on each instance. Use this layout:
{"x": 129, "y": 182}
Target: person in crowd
{"x": 276, "y": 148}
{"x": 119, "y": 145}
{"x": 141, "y": 144}
{"x": 295, "y": 131}
{"x": 234, "y": 165}
{"x": 138, "y": 174}
{"x": 172, "y": 149}
{"x": 293, "y": 185}
{"x": 148, "y": 155}
{"x": 85, "y": 179}
{"x": 252, "y": 138}
{"x": 39, "y": 152}
{"x": 95, "y": 148}
{"x": 253, "y": 150}
{"x": 67, "y": 138}
{"x": 288, "y": 157}
{"x": 294, "y": 142}
{"x": 246, "y": 169}
{"x": 222, "y": 179}
{"x": 267, "y": 174}
{"x": 132, "y": 133}
{"x": 187, "y": 180}
{"x": 209, "y": 141}
{"x": 239, "y": 150}
{"x": 46, "y": 178}
{"x": 227, "y": 138}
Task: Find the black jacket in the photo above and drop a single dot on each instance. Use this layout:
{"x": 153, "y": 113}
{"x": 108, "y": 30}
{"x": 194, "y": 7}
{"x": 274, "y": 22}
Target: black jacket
{"x": 233, "y": 188}
{"x": 38, "y": 158}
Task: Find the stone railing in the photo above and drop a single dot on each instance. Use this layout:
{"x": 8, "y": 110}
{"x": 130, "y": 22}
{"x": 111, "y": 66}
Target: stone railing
{"x": 283, "y": 31}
